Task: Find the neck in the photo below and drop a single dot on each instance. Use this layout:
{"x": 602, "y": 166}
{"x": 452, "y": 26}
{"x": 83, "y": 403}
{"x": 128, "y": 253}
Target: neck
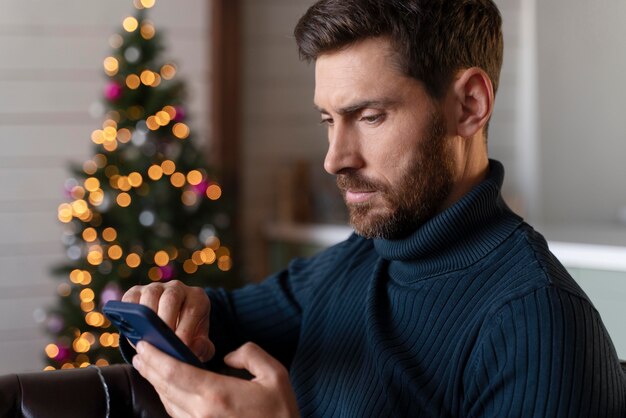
{"x": 471, "y": 166}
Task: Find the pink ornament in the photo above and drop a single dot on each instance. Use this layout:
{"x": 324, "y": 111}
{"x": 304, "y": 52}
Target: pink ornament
{"x": 167, "y": 272}
{"x": 180, "y": 114}
{"x": 113, "y": 91}
{"x": 64, "y": 353}
{"x": 200, "y": 188}
{"x": 110, "y": 292}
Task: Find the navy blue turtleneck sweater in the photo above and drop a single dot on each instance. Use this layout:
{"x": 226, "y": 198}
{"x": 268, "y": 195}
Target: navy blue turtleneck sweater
{"x": 469, "y": 316}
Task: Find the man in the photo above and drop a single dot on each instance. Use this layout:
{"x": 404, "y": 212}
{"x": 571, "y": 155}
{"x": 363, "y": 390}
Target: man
{"x": 444, "y": 302}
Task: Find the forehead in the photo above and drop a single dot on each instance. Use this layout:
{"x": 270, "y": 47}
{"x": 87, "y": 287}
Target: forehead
{"x": 362, "y": 71}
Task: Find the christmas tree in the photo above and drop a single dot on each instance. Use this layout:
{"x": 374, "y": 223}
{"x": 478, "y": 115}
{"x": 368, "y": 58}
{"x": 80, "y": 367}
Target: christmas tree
{"x": 145, "y": 208}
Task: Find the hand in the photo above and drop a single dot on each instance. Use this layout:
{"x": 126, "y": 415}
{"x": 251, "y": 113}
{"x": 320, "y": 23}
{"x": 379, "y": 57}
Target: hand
{"x": 189, "y": 392}
{"x": 184, "y": 309}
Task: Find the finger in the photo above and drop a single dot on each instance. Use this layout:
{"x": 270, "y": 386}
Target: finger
{"x": 194, "y": 316}
{"x": 203, "y": 348}
{"x": 132, "y": 295}
{"x": 150, "y": 296}
{"x": 257, "y": 361}
{"x": 173, "y": 380}
{"x": 170, "y": 302}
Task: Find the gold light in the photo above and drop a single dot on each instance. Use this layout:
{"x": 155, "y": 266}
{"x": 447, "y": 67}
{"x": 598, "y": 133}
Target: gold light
{"x": 189, "y": 198}
{"x": 87, "y": 295}
{"x": 135, "y": 179}
{"x": 90, "y": 167}
{"x": 133, "y": 260}
{"x": 97, "y": 137}
{"x": 155, "y": 274}
{"x": 198, "y": 257}
{"x": 214, "y": 192}
{"x": 96, "y": 197}
{"x": 109, "y": 234}
{"x": 190, "y": 267}
{"x": 123, "y": 199}
{"x": 79, "y": 207}
{"x": 95, "y": 319}
{"x": 171, "y": 111}
{"x": 168, "y": 71}
{"x": 92, "y": 184}
{"x": 94, "y": 257}
{"x": 155, "y": 172}
{"x": 194, "y": 177}
{"x": 123, "y": 183}
{"x": 52, "y": 350}
{"x": 100, "y": 160}
{"x": 177, "y": 179}
{"x": 115, "y": 252}
{"x": 147, "y": 30}
{"x": 90, "y": 234}
{"x": 147, "y": 3}
{"x": 147, "y": 77}
{"x": 123, "y": 135}
{"x": 87, "y": 306}
{"x": 102, "y": 362}
{"x": 162, "y": 118}
{"x": 78, "y": 192}
{"x": 76, "y": 276}
{"x": 130, "y": 24}
{"x": 161, "y": 258}
{"x": 209, "y": 255}
{"x": 180, "y": 130}
{"x": 111, "y": 66}
{"x": 81, "y": 345}
{"x": 224, "y": 263}
{"x": 110, "y": 146}
{"x": 152, "y": 123}
{"x": 133, "y": 82}
{"x": 168, "y": 167}
{"x": 64, "y": 213}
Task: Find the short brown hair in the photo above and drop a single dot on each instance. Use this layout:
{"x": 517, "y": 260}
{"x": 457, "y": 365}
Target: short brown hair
{"x": 433, "y": 38}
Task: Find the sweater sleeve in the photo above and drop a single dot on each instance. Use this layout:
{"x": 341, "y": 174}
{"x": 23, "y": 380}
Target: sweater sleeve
{"x": 269, "y": 313}
{"x": 546, "y": 354}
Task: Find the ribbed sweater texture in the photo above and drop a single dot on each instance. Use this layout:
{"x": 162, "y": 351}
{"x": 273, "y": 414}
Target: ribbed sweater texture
{"x": 469, "y": 316}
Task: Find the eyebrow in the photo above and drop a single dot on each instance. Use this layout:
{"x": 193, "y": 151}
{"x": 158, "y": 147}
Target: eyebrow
{"x": 364, "y": 104}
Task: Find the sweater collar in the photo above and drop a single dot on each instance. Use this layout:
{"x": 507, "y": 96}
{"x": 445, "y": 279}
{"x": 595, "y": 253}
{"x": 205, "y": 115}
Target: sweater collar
{"x": 456, "y": 237}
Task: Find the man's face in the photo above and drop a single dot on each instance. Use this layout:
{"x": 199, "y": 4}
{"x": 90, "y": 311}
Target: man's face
{"x": 387, "y": 140}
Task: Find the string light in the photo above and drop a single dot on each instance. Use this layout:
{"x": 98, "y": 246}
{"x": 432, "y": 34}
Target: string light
{"x": 109, "y": 234}
{"x": 133, "y": 260}
{"x": 155, "y": 172}
{"x": 168, "y": 167}
{"x": 177, "y": 179}
{"x": 130, "y": 24}
{"x": 194, "y": 177}
{"x": 147, "y": 30}
{"x": 123, "y": 199}
{"x": 180, "y": 130}
{"x": 214, "y": 192}
{"x": 168, "y": 71}
{"x": 133, "y": 81}
{"x": 111, "y": 66}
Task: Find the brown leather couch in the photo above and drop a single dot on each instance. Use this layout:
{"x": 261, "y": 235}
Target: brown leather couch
{"x": 106, "y": 392}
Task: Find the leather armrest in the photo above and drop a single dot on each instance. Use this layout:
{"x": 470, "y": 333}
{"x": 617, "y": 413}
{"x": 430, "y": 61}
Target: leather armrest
{"x": 112, "y": 391}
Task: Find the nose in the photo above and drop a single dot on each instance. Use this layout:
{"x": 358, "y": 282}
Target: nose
{"x": 343, "y": 150}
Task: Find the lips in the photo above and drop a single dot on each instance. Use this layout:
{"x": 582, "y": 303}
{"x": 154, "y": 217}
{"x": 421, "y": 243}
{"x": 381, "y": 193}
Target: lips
{"x": 358, "y": 196}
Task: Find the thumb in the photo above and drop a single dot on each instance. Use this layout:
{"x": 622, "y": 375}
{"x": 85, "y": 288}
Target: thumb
{"x": 254, "y": 359}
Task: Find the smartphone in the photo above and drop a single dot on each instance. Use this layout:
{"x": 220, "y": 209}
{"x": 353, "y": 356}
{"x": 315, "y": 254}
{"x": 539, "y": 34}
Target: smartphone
{"x": 138, "y": 322}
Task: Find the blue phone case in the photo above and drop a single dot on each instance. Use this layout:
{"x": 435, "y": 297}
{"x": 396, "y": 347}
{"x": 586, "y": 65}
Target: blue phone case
{"x": 138, "y": 322}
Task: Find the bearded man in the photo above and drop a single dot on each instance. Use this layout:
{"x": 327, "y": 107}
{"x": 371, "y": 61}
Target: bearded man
{"x": 443, "y": 302}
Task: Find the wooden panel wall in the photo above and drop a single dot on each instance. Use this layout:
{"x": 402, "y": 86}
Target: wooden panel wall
{"x": 50, "y": 77}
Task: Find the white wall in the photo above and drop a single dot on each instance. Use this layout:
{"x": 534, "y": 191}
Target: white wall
{"x": 582, "y": 63}
{"x": 51, "y": 56}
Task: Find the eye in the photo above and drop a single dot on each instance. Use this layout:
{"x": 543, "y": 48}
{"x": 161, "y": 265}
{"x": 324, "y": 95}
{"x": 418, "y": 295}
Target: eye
{"x": 373, "y": 119}
{"x": 326, "y": 121}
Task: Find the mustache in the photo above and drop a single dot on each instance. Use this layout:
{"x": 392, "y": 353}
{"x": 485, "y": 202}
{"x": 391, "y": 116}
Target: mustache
{"x": 356, "y": 181}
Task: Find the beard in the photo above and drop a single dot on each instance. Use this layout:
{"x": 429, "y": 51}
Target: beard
{"x": 424, "y": 187}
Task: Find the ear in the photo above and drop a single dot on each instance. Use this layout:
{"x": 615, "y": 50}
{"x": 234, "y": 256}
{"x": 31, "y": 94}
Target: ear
{"x": 473, "y": 101}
